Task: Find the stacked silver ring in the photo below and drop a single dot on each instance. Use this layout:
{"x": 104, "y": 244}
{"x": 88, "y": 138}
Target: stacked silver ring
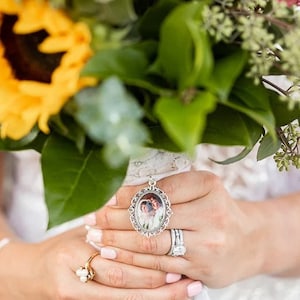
{"x": 177, "y": 243}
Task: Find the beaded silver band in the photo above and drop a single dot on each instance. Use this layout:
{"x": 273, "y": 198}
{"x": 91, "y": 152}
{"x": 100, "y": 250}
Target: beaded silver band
{"x": 177, "y": 243}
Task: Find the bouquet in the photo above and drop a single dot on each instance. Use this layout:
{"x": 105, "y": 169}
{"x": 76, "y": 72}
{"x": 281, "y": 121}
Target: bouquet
{"x": 89, "y": 83}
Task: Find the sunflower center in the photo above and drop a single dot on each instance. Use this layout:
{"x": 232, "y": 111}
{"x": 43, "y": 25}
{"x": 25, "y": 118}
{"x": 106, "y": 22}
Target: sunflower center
{"x": 21, "y": 50}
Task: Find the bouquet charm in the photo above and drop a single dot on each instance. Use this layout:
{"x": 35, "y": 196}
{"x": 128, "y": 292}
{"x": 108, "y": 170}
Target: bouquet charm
{"x": 150, "y": 210}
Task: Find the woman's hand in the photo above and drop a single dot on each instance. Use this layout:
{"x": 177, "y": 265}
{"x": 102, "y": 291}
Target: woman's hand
{"x": 220, "y": 234}
{"x": 48, "y": 271}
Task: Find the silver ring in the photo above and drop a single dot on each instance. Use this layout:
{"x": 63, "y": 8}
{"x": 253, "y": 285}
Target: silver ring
{"x": 177, "y": 243}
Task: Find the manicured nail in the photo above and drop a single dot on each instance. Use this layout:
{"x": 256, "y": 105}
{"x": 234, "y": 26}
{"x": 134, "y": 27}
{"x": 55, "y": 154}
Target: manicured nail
{"x": 108, "y": 253}
{"x": 172, "y": 277}
{"x": 90, "y": 219}
{"x": 194, "y": 288}
{"x": 112, "y": 201}
{"x": 94, "y": 235}
{"x": 95, "y": 245}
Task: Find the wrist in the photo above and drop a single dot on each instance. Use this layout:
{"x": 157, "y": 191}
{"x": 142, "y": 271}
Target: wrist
{"x": 256, "y": 239}
{"x": 279, "y": 246}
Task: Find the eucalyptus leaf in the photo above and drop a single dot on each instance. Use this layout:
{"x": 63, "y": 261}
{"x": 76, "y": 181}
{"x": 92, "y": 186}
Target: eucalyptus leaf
{"x": 76, "y": 183}
{"x": 268, "y": 146}
{"x": 112, "y": 117}
{"x": 235, "y": 158}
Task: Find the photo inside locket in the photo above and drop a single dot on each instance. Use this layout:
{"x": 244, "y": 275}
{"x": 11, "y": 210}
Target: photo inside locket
{"x": 150, "y": 212}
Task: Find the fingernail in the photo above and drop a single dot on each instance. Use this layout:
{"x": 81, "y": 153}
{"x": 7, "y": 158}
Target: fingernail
{"x": 172, "y": 277}
{"x": 94, "y": 235}
{"x": 112, "y": 201}
{"x": 90, "y": 219}
{"x": 96, "y": 246}
{"x": 108, "y": 253}
{"x": 194, "y": 288}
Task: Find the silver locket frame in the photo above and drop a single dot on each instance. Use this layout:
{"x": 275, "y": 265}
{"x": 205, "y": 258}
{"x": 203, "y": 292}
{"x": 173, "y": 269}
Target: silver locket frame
{"x": 150, "y": 210}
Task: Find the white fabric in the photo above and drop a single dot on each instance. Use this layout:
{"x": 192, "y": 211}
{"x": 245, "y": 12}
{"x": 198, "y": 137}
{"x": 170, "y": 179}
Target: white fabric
{"x": 246, "y": 179}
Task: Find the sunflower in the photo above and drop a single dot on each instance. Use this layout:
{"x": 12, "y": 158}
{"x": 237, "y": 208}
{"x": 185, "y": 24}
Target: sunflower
{"x": 42, "y": 53}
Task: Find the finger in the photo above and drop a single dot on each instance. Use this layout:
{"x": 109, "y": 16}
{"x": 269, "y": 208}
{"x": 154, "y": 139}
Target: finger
{"x": 68, "y": 287}
{"x": 181, "y": 290}
{"x": 159, "y": 245}
{"x": 116, "y": 274}
{"x": 119, "y": 219}
{"x": 131, "y": 240}
{"x": 165, "y": 263}
{"x": 180, "y": 188}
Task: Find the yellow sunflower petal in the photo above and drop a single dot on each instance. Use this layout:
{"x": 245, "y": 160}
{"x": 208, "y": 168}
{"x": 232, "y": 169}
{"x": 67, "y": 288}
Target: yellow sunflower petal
{"x": 54, "y": 44}
{"x": 76, "y": 56}
{"x": 34, "y": 88}
{"x": 15, "y": 127}
{"x": 10, "y": 7}
{"x": 56, "y": 22}
{"x": 25, "y": 103}
{"x": 31, "y": 17}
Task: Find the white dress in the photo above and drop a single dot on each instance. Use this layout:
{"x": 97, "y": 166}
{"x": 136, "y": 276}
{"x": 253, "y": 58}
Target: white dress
{"x": 247, "y": 179}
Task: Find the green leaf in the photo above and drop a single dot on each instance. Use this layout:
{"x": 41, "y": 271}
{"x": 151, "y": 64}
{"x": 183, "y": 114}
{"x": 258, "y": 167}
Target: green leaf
{"x": 160, "y": 139}
{"x": 226, "y": 71}
{"x": 117, "y": 12}
{"x": 184, "y": 53}
{"x": 268, "y": 146}
{"x": 150, "y": 22}
{"x": 282, "y": 113}
{"x": 66, "y": 126}
{"x": 253, "y": 101}
{"x": 124, "y": 63}
{"x": 236, "y": 158}
{"x": 129, "y": 64}
{"x": 34, "y": 140}
{"x": 240, "y": 130}
{"x": 228, "y": 127}
{"x": 185, "y": 123}
{"x": 75, "y": 183}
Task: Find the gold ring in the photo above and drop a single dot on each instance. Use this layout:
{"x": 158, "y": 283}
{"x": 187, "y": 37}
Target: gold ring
{"x": 87, "y": 273}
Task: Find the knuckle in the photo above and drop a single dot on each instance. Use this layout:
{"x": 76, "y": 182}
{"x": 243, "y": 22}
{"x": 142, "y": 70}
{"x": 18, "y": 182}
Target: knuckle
{"x": 129, "y": 258}
{"x": 217, "y": 244}
{"x": 104, "y": 220}
{"x": 116, "y": 277}
{"x": 153, "y": 281}
{"x": 156, "y": 263}
{"x": 148, "y": 245}
{"x": 108, "y": 237}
